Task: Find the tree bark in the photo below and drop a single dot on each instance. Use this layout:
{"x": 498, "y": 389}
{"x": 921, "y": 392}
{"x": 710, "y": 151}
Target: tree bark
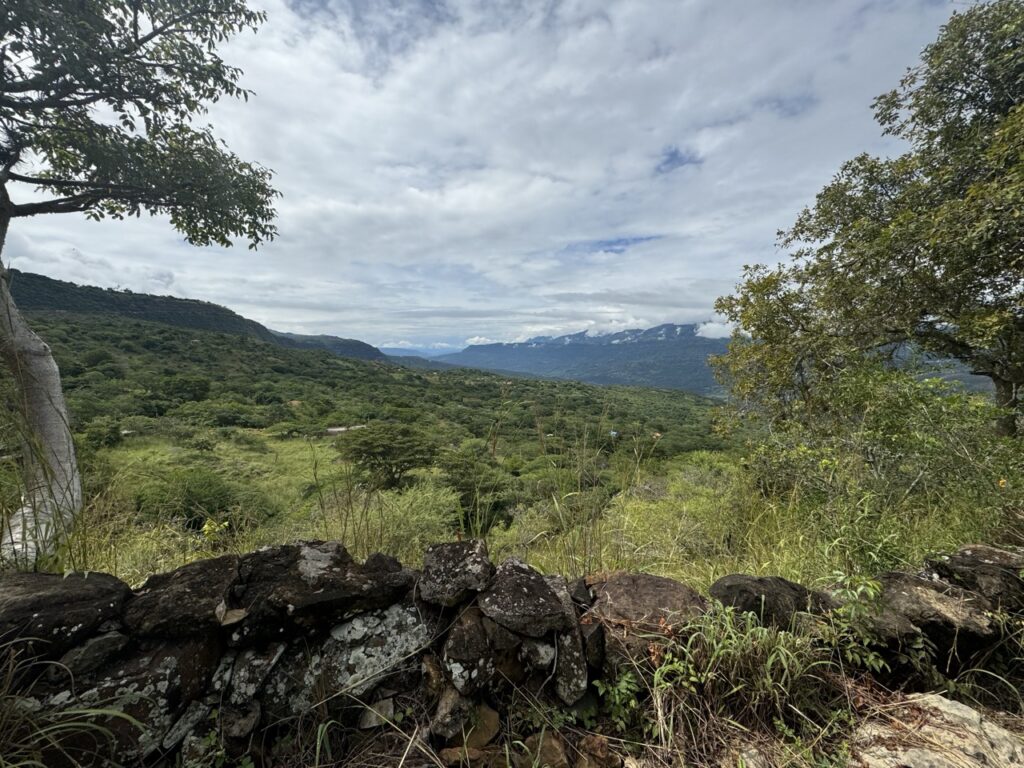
{"x": 1008, "y": 398}
{"x": 52, "y": 494}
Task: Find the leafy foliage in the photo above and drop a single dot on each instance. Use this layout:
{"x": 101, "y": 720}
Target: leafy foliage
{"x": 153, "y": 68}
{"x": 924, "y": 247}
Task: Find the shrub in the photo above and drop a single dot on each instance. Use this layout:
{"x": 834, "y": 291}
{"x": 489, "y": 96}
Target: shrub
{"x": 197, "y": 494}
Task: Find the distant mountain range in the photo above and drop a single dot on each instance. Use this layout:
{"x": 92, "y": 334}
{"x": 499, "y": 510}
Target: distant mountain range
{"x": 36, "y": 293}
{"x": 423, "y": 352}
{"x": 667, "y": 356}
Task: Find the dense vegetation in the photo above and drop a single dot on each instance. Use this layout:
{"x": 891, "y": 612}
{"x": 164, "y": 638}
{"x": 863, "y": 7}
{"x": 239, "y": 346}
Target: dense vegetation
{"x": 185, "y": 431}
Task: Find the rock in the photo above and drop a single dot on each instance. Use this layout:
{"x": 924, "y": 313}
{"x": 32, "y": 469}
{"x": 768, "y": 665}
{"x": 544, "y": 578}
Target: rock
{"x": 570, "y": 668}
{"x": 633, "y": 606}
{"x": 250, "y": 670}
{"x": 485, "y": 724}
{"x": 775, "y": 600}
{"x": 580, "y": 593}
{"x": 53, "y": 613}
{"x": 356, "y": 656}
{"x": 930, "y": 731}
{"x": 522, "y": 600}
{"x": 310, "y": 586}
{"x": 196, "y": 713}
{"x": 995, "y": 574}
{"x": 186, "y": 601}
{"x": 499, "y": 638}
{"x": 453, "y": 716}
{"x": 595, "y": 752}
{"x": 239, "y": 721}
{"x": 538, "y": 655}
{"x": 545, "y": 749}
{"x": 467, "y": 653}
{"x": 453, "y": 571}
{"x": 953, "y": 621}
{"x": 570, "y": 660}
{"x": 592, "y": 634}
{"x": 90, "y": 656}
{"x": 379, "y": 714}
{"x": 161, "y": 688}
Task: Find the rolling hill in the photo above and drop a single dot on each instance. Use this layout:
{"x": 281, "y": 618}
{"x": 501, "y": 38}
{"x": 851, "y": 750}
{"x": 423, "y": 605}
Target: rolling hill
{"x": 37, "y": 293}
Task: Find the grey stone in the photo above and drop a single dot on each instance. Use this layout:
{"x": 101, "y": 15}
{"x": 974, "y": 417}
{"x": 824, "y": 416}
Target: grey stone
{"x": 955, "y": 622}
{"x": 356, "y": 656}
{"x": 468, "y": 658}
{"x": 311, "y": 586}
{"x": 250, "y": 670}
{"x": 187, "y": 601}
{"x": 453, "y": 716}
{"x": 52, "y": 613}
{"x": 930, "y": 731}
{"x": 453, "y": 571}
{"x": 995, "y": 574}
{"x": 633, "y": 607}
{"x": 775, "y": 601}
{"x": 90, "y": 655}
{"x": 521, "y": 599}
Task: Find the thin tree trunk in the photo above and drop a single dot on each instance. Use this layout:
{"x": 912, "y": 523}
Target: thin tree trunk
{"x": 53, "y": 491}
{"x": 1008, "y": 399}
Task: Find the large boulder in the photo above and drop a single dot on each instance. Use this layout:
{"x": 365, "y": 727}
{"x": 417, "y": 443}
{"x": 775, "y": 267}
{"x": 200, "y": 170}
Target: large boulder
{"x": 522, "y": 600}
{"x": 314, "y": 585}
{"x": 633, "y": 607}
{"x": 356, "y": 656}
{"x": 453, "y": 571}
{"x": 187, "y": 601}
{"x": 995, "y": 574}
{"x": 775, "y": 601}
{"x": 955, "y": 623}
{"x": 933, "y": 732}
{"x": 52, "y": 613}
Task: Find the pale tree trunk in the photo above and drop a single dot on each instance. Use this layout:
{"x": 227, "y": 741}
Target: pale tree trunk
{"x": 52, "y": 495}
{"x": 1008, "y": 397}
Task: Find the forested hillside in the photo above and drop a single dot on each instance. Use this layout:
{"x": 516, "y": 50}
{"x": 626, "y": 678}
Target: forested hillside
{"x": 36, "y": 293}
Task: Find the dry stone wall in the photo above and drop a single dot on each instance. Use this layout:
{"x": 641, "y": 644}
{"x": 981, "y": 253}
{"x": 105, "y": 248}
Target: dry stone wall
{"x": 245, "y": 644}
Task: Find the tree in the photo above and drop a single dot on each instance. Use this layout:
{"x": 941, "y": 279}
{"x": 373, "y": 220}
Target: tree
{"x": 387, "y": 451}
{"x": 99, "y": 103}
{"x": 922, "y": 251}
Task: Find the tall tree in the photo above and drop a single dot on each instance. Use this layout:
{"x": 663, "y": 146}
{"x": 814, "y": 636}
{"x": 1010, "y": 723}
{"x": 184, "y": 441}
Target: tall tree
{"x": 99, "y": 109}
{"x": 925, "y": 248}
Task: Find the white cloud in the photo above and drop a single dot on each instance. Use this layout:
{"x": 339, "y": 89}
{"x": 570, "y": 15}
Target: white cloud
{"x": 715, "y": 330}
{"x": 515, "y": 169}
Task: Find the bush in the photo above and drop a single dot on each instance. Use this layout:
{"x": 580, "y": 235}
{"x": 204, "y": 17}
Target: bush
{"x": 198, "y": 494}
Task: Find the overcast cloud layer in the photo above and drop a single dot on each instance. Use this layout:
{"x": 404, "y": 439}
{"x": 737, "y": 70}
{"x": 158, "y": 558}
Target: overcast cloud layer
{"x": 498, "y": 170}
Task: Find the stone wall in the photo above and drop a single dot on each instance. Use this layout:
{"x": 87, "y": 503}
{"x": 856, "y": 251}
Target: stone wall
{"x": 252, "y": 645}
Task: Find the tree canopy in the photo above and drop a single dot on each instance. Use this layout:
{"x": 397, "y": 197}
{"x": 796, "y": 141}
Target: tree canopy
{"x": 924, "y": 249}
{"x": 99, "y": 108}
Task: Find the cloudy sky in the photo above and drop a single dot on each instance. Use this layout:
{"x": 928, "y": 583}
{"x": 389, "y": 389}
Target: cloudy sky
{"x": 498, "y": 169}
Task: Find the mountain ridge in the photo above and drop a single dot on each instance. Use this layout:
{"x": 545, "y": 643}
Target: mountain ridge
{"x": 667, "y": 356}
{"x": 38, "y": 293}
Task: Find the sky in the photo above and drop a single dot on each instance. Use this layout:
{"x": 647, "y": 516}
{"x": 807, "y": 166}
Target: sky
{"x": 479, "y": 170}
